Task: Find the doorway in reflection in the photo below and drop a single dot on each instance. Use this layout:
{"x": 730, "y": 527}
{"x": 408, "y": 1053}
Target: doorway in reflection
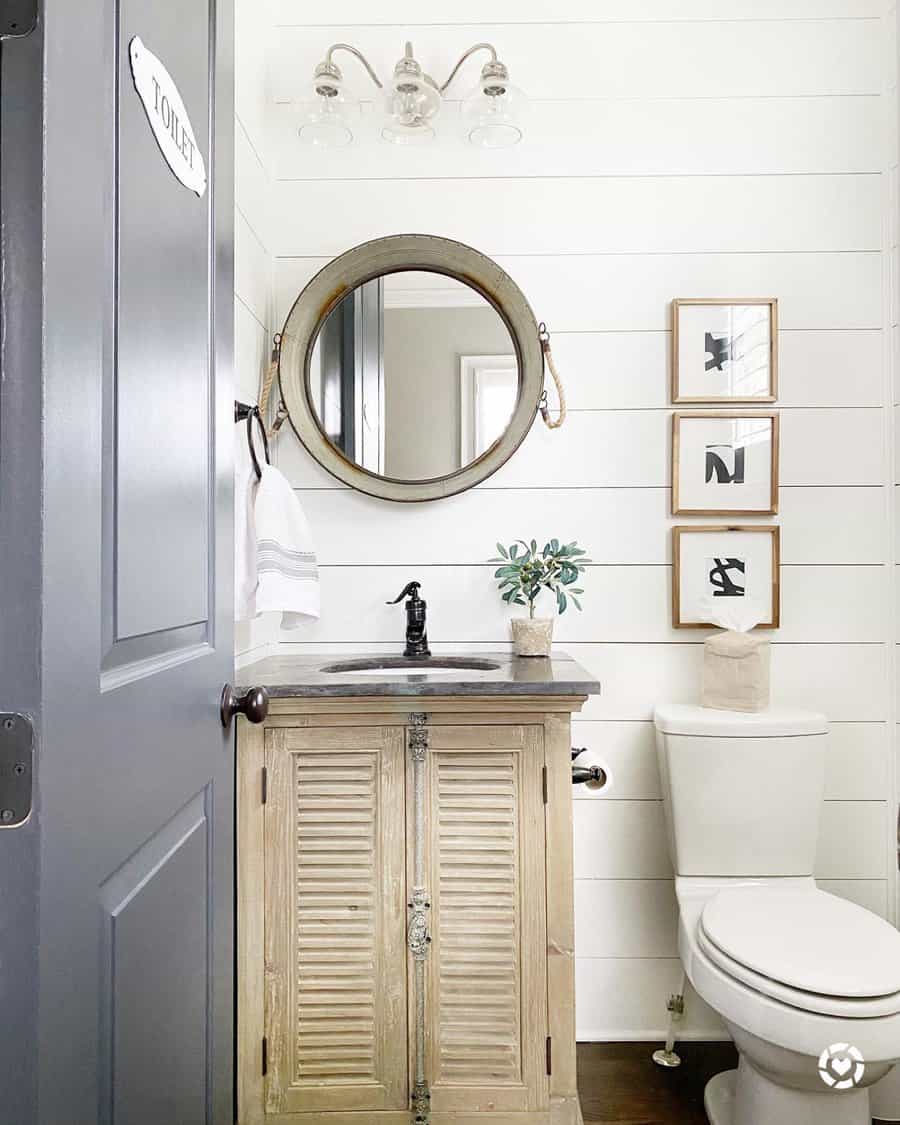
{"x": 413, "y": 375}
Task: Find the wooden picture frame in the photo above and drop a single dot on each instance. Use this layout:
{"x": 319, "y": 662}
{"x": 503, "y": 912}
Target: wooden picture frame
{"x": 677, "y": 490}
{"x": 678, "y": 534}
{"x": 681, "y": 394}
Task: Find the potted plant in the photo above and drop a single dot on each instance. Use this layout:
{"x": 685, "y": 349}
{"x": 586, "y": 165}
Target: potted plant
{"x": 524, "y": 573}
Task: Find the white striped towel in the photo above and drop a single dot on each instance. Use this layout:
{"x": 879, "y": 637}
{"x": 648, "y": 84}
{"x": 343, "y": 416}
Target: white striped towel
{"x": 286, "y": 566}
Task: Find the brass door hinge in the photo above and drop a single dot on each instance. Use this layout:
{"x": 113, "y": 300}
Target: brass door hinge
{"x": 265, "y": 1056}
{"x": 264, "y": 785}
{"x": 549, "y": 1055}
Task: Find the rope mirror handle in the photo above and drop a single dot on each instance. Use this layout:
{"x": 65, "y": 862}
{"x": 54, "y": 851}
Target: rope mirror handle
{"x": 265, "y": 390}
{"x": 550, "y": 423}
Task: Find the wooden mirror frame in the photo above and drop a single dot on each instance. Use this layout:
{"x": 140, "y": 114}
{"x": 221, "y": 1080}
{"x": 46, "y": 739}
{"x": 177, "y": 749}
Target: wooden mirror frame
{"x": 397, "y": 254}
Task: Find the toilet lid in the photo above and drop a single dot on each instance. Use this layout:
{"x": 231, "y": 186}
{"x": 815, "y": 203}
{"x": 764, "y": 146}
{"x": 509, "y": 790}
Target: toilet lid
{"x": 807, "y": 940}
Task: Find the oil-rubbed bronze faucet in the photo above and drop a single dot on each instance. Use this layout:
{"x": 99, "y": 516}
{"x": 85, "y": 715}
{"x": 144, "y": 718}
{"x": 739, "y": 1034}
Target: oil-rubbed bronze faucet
{"x": 416, "y": 634}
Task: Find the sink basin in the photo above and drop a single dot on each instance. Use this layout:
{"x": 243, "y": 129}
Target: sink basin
{"x": 380, "y": 665}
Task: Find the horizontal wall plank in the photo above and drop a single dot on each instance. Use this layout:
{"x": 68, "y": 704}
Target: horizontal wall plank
{"x": 622, "y": 292}
{"x": 450, "y": 12}
{"x": 852, "y": 840}
{"x": 627, "y": 840}
{"x": 609, "y": 138}
{"x": 625, "y": 999}
{"x": 251, "y": 101}
{"x": 631, "y": 370}
{"x": 821, "y": 447}
{"x": 620, "y": 840}
{"x": 250, "y": 354}
{"x": 618, "y": 525}
{"x": 252, "y": 270}
{"x": 615, "y": 60}
{"x": 832, "y": 447}
{"x": 845, "y": 682}
{"x": 625, "y": 918}
{"x": 669, "y": 214}
{"x": 252, "y": 188}
{"x": 856, "y": 763}
{"x": 857, "y": 766}
{"x": 868, "y": 893}
{"x": 629, "y": 603}
{"x": 252, "y": 639}
{"x": 818, "y": 447}
{"x": 627, "y": 751}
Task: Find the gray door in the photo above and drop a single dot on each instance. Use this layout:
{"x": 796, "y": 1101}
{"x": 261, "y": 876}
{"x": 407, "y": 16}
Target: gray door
{"x": 118, "y": 450}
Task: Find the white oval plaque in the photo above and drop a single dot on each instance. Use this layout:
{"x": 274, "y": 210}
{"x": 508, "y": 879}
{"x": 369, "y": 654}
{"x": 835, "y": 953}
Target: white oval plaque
{"x": 167, "y": 116}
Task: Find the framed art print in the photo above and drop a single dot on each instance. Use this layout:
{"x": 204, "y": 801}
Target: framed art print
{"x": 724, "y": 350}
{"x": 725, "y": 574}
{"x": 724, "y": 464}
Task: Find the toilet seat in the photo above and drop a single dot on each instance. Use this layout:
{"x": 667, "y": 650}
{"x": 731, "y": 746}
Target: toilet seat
{"x": 805, "y": 948}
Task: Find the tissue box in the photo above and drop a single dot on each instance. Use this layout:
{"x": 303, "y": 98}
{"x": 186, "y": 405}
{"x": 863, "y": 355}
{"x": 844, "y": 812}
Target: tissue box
{"x": 736, "y": 672}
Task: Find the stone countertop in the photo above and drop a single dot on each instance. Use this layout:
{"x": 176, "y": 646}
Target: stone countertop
{"x": 299, "y": 676}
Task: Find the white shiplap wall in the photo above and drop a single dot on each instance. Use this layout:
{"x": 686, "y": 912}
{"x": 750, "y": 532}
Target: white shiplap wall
{"x": 253, "y": 236}
{"x": 697, "y": 148}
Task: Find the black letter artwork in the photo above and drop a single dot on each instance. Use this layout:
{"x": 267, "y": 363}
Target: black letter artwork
{"x": 717, "y": 464}
{"x": 720, "y": 348}
{"x": 721, "y": 581}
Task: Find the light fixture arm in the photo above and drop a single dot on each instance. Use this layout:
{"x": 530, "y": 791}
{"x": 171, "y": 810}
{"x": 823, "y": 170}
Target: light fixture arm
{"x": 329, "y": 62}
{"x": 467, "y": 55}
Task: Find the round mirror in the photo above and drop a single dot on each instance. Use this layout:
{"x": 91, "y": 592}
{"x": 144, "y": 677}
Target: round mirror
{"x": 411, "y": 367}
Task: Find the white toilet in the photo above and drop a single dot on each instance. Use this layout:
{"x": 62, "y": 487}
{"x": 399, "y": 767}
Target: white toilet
{"x": 808, "y": 984}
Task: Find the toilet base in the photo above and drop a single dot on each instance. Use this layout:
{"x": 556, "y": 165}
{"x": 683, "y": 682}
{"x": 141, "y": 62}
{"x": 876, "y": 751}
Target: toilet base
{"x": 746, "y": 1097}
{"x": 718, "y": 1098}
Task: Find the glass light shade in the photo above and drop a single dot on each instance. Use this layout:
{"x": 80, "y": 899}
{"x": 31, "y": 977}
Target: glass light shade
{"x": 410, "y": 108}
{"x": 493, "y": 120}
{"x": 326, "y": 120}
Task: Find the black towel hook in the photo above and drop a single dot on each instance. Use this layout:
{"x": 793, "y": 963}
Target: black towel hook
{"x": 244, "y": 410}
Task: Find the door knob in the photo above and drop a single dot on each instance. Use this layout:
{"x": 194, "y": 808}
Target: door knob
{"x": 254, "y": 704}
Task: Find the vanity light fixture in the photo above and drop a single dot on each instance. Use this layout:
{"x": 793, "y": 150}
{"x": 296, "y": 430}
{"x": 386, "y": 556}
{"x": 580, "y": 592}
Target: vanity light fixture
{"x": 329, "y": 118}
{"x": 491, "y": 113}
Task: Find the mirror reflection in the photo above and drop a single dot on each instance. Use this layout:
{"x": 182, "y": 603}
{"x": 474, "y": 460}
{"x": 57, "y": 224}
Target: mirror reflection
{"x": 413, "y": 375}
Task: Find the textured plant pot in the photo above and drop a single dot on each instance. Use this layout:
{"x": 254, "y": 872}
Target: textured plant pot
{"x": 532, "y": 636}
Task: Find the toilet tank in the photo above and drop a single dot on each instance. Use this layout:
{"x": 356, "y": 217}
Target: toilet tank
{"x": 742, "y": 793}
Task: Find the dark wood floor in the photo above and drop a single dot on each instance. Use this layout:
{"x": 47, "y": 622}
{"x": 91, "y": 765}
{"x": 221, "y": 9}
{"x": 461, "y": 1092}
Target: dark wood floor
{"x": 620, "y": 1085}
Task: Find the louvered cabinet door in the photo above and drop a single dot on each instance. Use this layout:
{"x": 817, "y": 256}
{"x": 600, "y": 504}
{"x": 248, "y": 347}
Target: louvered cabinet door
{"x": 487, "y": 977}
{"x": 335, "y": 996}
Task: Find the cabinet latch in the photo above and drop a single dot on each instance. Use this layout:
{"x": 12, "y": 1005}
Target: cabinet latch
{"x": 265, "y": 1056}
{"x": 264, "y": 785}
{"x": 549, "y": 1055}
{"x": 544, "y": 783}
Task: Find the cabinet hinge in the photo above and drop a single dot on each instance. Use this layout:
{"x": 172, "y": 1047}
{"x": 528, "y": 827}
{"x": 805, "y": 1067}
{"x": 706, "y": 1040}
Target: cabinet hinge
{"x": 544, "y": 783}
{"x": 265, "y": 1056}
{"x": 549, "y": 1055}
{"x": 265, "y": 784}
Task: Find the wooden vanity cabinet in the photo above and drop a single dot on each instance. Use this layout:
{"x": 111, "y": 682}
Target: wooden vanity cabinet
{"x": 332, "y": 962}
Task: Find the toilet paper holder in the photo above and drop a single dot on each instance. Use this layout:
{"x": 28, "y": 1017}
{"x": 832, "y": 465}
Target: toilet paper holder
{"x": 592, "y": 777}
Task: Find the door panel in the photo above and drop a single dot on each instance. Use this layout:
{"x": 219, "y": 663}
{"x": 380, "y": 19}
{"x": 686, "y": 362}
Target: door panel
{"x": 135, "y": 1008}
{"x": 160, "y": 895}
{"x": 335, "y": 1018}
{"x": 486, "y": 1000}
{"x": 160, "y": 416}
